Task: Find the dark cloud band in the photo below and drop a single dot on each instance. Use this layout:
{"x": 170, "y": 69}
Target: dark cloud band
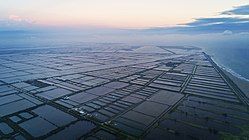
{"x": 241, "y": 10}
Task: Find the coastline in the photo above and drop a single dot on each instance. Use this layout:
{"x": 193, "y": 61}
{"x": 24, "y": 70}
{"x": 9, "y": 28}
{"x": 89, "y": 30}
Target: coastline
{"x": 240, "y": 81}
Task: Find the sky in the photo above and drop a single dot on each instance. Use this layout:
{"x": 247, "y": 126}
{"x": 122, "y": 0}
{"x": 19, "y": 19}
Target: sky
{"x": 112, "y": 13}
{"x": 220, "y": 24}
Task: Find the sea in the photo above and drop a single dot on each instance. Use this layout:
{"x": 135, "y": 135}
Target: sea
{"x": 234, "y": 59}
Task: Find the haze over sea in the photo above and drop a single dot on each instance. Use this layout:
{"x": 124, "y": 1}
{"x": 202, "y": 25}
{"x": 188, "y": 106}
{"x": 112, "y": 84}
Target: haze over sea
{"x": 229, "y": 51}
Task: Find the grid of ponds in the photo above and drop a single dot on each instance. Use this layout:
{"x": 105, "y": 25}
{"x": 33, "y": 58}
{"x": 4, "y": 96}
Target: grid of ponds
{"x": 54, "y": 95}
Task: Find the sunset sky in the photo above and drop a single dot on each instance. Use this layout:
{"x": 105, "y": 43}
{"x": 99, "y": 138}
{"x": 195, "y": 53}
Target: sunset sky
{"x": 113, "y": 13}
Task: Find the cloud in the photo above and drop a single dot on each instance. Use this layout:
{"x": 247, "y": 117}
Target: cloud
{"x": 222, "y": 26}
{"x": 20, "y": 19}
{"x": 230, "y": 21}
{"x": 244, "y": 33}
{"x": 211, "y": 27}
{"x": 227, "y": 32}
{"x": 15, "y": 22}
{"x": 241, "y": 10}
{"x": 15, "y": 18}
{"x": 219, "y": 20}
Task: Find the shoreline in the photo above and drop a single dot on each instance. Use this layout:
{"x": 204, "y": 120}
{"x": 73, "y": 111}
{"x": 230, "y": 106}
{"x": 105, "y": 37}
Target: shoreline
{"x": 240, "y": 81}
{"x": 230, "y": 71}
